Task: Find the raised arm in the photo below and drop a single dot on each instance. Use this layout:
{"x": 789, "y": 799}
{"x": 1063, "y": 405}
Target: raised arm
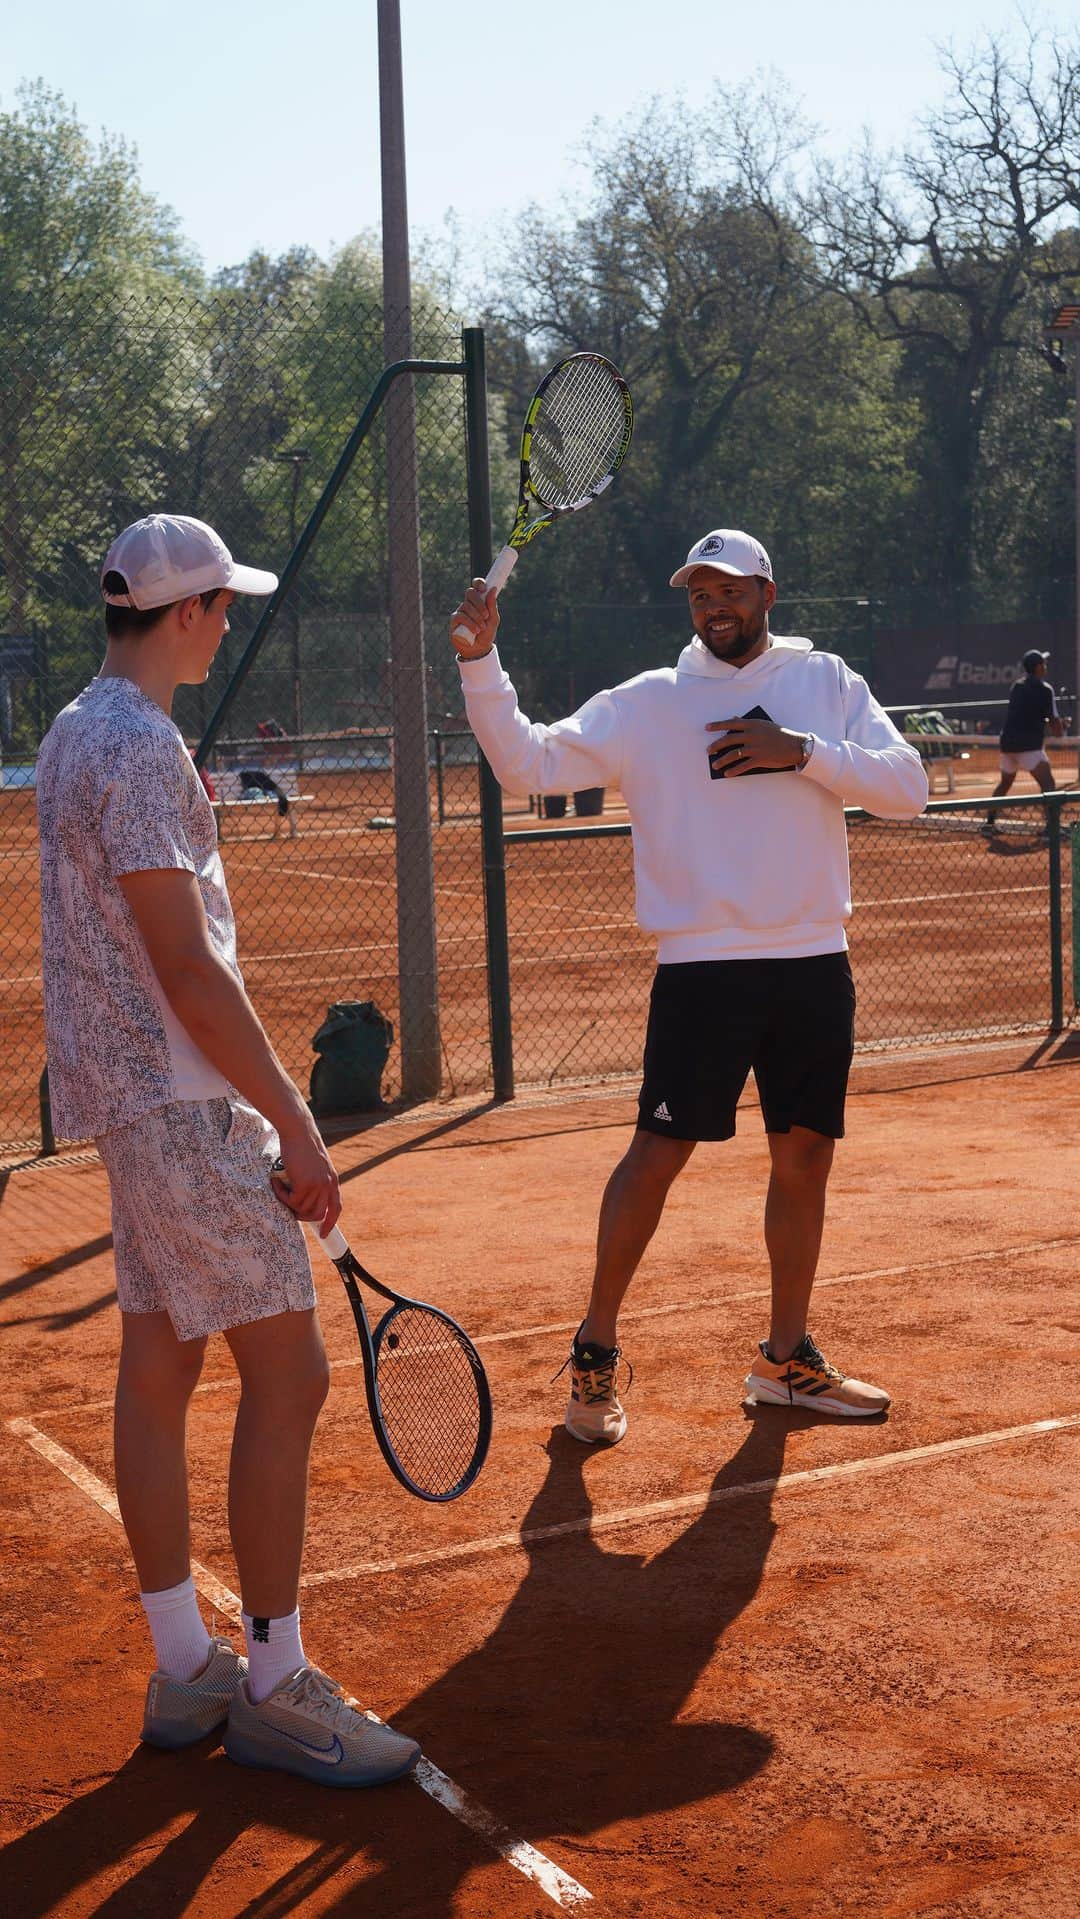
{"x": 214, "y": 1009}
{"x": 583, "y": 750}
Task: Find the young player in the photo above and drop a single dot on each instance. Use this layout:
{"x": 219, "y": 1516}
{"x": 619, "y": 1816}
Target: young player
{"x": 746, "y": 889}
{"x": 1032, "y": 709}
{"x": 156, "y": 1053}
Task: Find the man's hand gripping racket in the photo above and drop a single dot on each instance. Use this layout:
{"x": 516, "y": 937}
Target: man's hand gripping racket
{"x": 576, "y": 436}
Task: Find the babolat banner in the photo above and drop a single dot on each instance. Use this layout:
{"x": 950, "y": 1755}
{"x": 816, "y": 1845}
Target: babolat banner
{"x": 935, "y": 665}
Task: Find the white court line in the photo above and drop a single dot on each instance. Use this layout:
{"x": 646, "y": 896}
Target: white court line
{"x": 679, "y": 1308}
{"x": 102, "y": 1495}
{"x": 337, "y": 879}
{"x": 551, "y": 1879}
{"x": 925, "y": 899}
{"x": 693, "y": 1502}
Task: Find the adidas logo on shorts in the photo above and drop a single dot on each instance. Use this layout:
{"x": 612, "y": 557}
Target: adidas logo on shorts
{"x": 662, "y": 1111}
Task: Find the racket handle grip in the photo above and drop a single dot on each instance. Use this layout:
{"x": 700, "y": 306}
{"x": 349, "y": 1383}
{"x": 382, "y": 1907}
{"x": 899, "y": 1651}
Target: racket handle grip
{"x": 334, "y": 1243}
{"x": 501, "y": 569}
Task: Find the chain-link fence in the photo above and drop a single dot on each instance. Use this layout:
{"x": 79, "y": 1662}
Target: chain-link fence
{"x": 236, "y": 408}
{"x": 957, "y": 933}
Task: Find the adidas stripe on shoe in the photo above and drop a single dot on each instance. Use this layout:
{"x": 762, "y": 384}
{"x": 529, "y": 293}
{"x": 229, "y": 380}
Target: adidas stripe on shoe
{"x": 808, "y": 1380}
{"x": 594, "y": 1411}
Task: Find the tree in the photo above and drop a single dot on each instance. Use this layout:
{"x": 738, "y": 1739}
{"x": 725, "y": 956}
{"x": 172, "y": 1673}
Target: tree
{"x": 92, "y": 275}
{"x": 942, "y": 250}
{"x": 758, "y": 399}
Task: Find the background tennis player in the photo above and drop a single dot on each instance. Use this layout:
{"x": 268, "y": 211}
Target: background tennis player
{"x": 746, "y": 889}
{"x": 1032, "y": 710}
{"x": 156, "y": 1052}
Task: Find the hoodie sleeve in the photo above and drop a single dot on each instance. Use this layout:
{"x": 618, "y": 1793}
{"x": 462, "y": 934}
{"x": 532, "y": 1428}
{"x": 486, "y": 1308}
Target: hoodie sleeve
{"x": 584, "y": 750}
{"x": 873, "y": 766}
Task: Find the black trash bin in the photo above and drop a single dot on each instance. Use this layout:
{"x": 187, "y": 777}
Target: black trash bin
{"x": 589, "y": 802}
{"x": 353, "y": 1044}
{"x": 554, "y": 805}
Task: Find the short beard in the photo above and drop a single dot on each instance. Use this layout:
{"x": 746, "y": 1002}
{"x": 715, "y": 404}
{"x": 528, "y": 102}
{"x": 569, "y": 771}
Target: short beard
{"x": 738, "y": 649}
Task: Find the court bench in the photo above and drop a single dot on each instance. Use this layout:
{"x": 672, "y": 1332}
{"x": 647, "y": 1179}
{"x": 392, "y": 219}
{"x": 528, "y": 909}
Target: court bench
{"x": 231, "y": 795}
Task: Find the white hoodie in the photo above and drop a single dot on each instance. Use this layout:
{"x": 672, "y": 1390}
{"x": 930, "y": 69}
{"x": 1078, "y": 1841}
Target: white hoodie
{"x": 749, "y": 868}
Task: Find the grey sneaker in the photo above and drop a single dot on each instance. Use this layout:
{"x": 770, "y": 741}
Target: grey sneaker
{"x": 307, "y": 1726}
{"x": 180, "y": 1712}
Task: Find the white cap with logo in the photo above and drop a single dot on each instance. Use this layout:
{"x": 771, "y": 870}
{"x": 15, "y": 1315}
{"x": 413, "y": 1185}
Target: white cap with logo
{"x": 728, "y": 552}
{"x": 169, "y": 556}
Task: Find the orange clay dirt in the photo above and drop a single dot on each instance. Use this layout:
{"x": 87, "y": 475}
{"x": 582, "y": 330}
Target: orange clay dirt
{"x": 791, "y": 1667}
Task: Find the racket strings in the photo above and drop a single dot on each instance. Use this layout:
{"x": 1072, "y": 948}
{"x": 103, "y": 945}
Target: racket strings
{"x": 579, "y": 434}
{"x": 429, "y": 1398}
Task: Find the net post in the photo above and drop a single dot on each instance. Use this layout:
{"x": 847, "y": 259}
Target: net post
{"x": 491, "y": 823}
{"x": 1074, "y": 847}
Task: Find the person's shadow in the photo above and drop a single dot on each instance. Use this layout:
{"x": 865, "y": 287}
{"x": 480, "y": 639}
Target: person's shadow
{"x": 575, "y": 1713}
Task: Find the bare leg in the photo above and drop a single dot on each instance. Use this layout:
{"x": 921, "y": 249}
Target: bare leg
{"x": 158, "y": 1374}
{"x": 284, "y": 1380}
{"x": 999, "y": 793}
{"x": 794, "y": 1219}
{"x": 629, "y": 1215}
{"x": 1044, "y": 779}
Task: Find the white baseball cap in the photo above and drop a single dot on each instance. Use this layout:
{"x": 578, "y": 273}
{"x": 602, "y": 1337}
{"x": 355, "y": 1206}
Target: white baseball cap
{"x": 169, "y": 557}
{"x": 727, "y": 552}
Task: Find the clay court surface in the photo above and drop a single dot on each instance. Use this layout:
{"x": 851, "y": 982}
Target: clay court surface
{"x": 747, "y": 1663}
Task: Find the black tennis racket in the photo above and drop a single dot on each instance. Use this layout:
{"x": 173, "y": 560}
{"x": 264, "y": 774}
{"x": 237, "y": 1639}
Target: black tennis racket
{"x": 427, "y": 1391}
{"x": 576, "y": 436}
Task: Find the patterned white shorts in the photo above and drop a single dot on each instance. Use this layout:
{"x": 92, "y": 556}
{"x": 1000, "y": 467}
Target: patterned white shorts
{"x": 197, "y": 1231}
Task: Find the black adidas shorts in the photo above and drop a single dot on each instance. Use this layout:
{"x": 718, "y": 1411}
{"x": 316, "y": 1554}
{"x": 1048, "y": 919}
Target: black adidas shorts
{"x": 711, "y": 1021}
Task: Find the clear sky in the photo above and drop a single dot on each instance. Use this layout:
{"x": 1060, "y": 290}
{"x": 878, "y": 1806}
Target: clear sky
{"x": 257, "y": 120}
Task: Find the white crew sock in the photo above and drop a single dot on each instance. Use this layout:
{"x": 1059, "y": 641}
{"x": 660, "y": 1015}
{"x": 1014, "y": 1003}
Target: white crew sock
{"x": 274, "y": 1651}
{"x": 181, "y": 1641}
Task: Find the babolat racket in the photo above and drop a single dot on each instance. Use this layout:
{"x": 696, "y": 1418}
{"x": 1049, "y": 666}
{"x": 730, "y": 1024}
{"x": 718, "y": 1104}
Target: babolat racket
{"x": 576, "y": 436}
{"x": 427, "y": 1391}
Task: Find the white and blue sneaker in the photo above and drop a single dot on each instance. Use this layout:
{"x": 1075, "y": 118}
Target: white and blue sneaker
{"x": 180, "y": 1712}
{"x": 308, "y": 1726}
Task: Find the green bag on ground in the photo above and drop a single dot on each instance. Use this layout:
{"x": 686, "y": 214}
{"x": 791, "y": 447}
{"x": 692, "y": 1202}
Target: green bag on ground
{"x": 353, "y": 1044}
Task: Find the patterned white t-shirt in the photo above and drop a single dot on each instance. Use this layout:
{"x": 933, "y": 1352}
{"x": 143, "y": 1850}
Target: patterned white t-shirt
{"x": 117, "y": 792}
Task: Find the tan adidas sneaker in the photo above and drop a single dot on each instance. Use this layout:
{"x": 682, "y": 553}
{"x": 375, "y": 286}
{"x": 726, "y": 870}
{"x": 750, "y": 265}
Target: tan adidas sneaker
{"x": 594, "y": 1411}
{"x": 808, "y": 1380}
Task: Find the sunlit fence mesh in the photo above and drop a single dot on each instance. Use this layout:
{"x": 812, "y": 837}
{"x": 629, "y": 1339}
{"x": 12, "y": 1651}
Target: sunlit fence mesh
{"x": 953, "y": 935}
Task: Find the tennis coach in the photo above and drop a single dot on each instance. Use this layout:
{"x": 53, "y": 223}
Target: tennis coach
{"x": 746, "y": 890}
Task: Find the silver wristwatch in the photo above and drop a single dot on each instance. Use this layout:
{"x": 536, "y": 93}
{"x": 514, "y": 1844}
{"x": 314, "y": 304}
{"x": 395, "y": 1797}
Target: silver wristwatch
{"x": 806, "y": 746}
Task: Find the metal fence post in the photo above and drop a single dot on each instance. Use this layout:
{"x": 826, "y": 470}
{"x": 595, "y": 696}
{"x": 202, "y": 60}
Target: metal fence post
{"x": 491, "y": 823}
{"x": 418, "y": 959}
{"x": 1057, "y": 956}
{"x": 440, "y": 795}
{"x": 48, "y": 1137}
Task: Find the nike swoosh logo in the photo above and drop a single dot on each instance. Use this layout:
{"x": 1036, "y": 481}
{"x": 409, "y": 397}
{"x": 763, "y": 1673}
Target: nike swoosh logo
{"x": 331, "y": 1755}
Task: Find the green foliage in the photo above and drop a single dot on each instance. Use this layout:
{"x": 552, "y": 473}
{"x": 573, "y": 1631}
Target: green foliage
{"x": 848, "y": 360}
